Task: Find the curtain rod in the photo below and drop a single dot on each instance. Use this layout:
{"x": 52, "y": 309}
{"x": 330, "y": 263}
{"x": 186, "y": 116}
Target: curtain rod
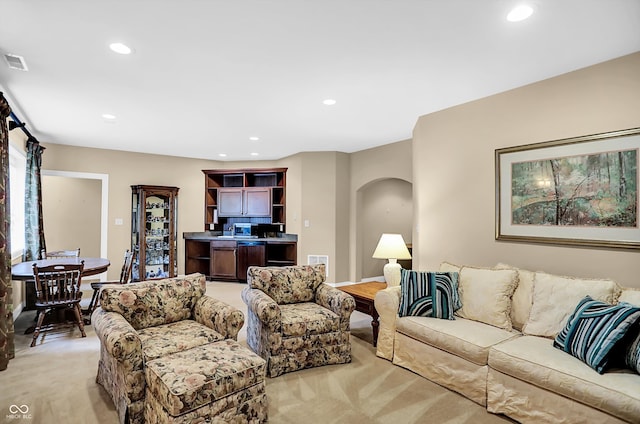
{"x": 21, "y": 125}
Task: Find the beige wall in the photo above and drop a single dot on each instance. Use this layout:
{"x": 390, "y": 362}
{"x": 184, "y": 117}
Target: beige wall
{"x": 387, "y": 207}
{"x": 314, "y": 193}
{"x": 454, "y": 196}
{"x": 391, "y": 161}
{"x": 71, "y": 214}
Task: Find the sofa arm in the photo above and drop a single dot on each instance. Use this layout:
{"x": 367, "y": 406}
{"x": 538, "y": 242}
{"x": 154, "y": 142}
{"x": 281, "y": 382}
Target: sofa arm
{"x": 219, "y": 316}
{"x": 387, "y": 303}
{"x": 337, "y": 301}
{"x": 119, "y": 338}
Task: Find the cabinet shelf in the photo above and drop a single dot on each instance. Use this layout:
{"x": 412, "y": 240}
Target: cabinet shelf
{"x": 278, "y": 263}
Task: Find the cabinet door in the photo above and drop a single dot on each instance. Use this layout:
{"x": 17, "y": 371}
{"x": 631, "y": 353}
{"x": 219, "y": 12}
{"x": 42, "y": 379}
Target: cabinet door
{"x": 257, "y": 202}
{"x": 250, "y": 255}
{"x": 223, "y": 260}
{"x": 230, "y": 202}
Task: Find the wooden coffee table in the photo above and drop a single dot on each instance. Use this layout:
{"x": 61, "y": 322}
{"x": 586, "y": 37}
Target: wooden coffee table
{"x": 364, "y": 294}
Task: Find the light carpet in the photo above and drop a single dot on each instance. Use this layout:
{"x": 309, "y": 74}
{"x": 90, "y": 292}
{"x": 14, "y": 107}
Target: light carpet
{"x": 56, "y": 381}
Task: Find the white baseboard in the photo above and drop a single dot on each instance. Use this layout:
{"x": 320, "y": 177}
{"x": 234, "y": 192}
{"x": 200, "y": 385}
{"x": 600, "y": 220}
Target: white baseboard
{"x": 350, "y": 283}
{"x": 17, "y": 311}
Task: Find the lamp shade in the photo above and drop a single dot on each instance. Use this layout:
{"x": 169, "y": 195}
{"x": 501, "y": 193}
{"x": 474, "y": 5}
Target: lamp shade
{"x": 391, "y": 246}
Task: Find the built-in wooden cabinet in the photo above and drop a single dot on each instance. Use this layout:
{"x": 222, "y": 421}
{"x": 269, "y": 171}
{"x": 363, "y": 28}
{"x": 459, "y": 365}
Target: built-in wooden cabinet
{"x": 154, "y": 231}
{"x": 229, "y": 259}
{"x": 245, "y": 195}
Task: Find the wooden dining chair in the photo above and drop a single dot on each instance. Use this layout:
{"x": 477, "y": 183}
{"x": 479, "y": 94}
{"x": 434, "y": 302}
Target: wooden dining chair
{"x": 125, "y": 276}
{"x": 61, "y": 254}
{"x": 57, "y": 290}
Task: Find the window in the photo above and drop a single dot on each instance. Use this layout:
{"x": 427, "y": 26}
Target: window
{"x": 17, "y": 172}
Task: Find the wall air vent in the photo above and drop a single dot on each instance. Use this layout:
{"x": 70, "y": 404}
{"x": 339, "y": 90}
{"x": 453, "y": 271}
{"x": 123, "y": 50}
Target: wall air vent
{"x": 319, "y": 259}
{"x": 16, "y": 62}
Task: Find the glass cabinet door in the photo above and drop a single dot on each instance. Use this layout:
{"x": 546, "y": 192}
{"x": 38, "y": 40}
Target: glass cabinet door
{"x": 154, "y": 232}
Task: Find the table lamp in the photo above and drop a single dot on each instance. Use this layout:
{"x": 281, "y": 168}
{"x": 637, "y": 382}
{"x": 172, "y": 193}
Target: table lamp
{"x": 391, "y": 247}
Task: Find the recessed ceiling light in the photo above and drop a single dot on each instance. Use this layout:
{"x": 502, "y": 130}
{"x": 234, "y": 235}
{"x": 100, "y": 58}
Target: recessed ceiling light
{"x": 520, "y": 13}
{"x": 254, "y": 154}
{"x": 108, "y": 116}
{"x": 329, "y": 102}
{"x": 222, "y": 155}
{"x": 254, "y": 138}
{"x": 120, "y": 48}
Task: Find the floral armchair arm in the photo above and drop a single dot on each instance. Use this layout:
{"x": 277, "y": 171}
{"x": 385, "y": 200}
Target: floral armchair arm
{"x": 338, "y": 302}
{"x": 265, "y": 308}
{"x": 119, "y": 338}
{"x": 219, "y": 316}
{"x": 387, "y": 303}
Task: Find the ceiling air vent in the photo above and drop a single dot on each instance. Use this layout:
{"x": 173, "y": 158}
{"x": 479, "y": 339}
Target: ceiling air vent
{"x": 16, "y": 62}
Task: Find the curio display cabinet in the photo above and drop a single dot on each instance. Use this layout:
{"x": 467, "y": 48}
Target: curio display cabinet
{"x": 154, "y": 231}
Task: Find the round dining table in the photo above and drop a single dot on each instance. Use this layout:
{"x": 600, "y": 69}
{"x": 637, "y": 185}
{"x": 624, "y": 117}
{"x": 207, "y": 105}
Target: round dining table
{"x": 92, "y": 266}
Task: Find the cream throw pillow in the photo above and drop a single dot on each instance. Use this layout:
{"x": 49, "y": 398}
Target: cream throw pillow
{"x": 555, "y": 298}
{"x": 630, "y": 295}
{"x": 522, "y": 297}
{"x": 449, "y": 267}
{"x": 486, "y": 295}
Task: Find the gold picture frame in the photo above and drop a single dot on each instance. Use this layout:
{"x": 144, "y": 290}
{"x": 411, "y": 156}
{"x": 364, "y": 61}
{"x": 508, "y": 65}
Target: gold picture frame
{"x": 580, "y": 191}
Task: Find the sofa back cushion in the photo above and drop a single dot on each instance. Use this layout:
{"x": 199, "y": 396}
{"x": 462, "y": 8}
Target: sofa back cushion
{"x": 522, "y": 297}
{"x": 555, "y": 299}
{"x": 154, "y": 302}
{"x": 287, "y": 284}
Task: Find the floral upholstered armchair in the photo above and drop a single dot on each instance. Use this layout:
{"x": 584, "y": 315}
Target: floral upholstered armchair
{"x": 138, "y": 323}
{"x": 294, "y": 321}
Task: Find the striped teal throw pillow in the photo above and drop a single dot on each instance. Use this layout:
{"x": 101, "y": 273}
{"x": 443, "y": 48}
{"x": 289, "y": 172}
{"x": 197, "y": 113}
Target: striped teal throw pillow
{"x": 429, "y": 294}
{"x": 632, "y": 358}
{"x": 593, "y": 330}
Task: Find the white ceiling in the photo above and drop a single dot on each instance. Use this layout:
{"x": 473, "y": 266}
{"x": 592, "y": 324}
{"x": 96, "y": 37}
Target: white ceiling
{"x": 207, "y": 75}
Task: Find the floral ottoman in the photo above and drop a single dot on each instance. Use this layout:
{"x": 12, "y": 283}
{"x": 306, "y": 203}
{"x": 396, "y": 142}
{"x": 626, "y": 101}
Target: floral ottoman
{"x": 217, "y": 382}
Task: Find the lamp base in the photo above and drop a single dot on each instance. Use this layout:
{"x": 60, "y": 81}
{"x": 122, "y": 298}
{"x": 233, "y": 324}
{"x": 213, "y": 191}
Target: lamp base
{"x": 391, "y": 273}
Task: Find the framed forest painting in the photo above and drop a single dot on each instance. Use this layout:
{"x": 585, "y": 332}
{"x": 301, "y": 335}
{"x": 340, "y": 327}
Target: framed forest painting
{"x": 577, "y": 191}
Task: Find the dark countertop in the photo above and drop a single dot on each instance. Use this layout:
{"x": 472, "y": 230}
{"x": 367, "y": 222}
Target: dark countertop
{"x": 213, "y": 235}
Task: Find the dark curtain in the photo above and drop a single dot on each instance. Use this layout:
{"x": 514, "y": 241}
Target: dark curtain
{"x": 7, "y": 349}
{"x": 33, "y": 224}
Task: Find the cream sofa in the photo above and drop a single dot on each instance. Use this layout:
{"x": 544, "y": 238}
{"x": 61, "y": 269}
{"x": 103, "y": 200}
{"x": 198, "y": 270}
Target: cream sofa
{"x": 498, "y": 351}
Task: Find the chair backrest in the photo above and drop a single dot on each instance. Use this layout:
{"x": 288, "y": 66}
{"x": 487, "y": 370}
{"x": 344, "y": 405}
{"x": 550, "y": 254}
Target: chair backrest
{"x": 61, "y": 254}
{"x": 287, "y": 284}
{"x": 127, "y": 264}
{"x": 58, "y": 284}
{"x": 155, "y": 302}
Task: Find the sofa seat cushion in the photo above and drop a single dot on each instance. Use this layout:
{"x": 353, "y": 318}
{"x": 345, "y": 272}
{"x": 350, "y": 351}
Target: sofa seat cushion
{"x": 465, "y": 338}
{"x": 187, "y": 380}
{"x": 535, "y": 360}
{"x": 166, "y": 339}
{"x": 303, "y": 319}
